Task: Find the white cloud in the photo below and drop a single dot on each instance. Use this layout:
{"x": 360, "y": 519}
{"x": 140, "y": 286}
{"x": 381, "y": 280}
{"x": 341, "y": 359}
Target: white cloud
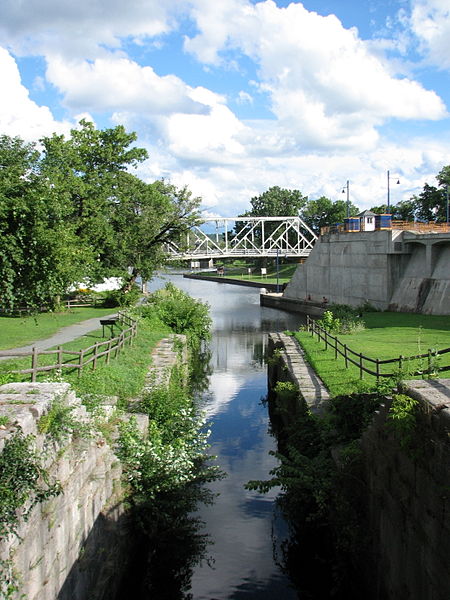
{"x": 116, "y": 83}
{"x": 325, "y": 84}
{"x": 19, "y": 115}
{"x": 84, "y": 27}
{"x": 430, "y": 21}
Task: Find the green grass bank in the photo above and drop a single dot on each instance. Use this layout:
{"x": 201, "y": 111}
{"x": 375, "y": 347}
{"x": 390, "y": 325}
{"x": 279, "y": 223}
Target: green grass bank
{"x": 387, "y": 335}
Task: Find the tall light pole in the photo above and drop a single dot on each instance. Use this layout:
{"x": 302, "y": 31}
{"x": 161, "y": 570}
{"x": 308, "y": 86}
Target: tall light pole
{"x": 347, "y": 186}
{"x": 447, "y": 205}
{"x": 388, "y": 192}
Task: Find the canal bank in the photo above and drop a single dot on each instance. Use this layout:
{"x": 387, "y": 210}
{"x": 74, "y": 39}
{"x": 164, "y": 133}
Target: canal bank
{"x": 232, "y": 281}
{"x": 384, "y": 502}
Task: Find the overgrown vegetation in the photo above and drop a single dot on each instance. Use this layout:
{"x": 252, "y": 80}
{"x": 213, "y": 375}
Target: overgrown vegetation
{"x": 179, "y": 311}
{"x": 341, "y": 318}
{"x": 24, "y": 481}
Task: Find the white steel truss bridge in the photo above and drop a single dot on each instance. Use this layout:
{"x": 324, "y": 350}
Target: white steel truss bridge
{"x": 225, "y": 237}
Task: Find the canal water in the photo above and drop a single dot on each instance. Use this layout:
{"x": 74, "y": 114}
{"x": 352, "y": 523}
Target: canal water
{"x": 244, "y": 527}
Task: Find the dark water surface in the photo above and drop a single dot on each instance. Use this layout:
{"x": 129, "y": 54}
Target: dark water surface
{"x": 244, "y": 526}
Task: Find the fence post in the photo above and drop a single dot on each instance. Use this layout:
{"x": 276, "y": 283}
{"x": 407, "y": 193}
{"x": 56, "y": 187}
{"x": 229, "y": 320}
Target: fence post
{"x": 94, "y": 362}
{"x": 60, "y": 357}
{"x": 361, "y": 376}
{"x": 429, "y": 363}
{"x": 34, "y": 363}
{"x": 400, "y": 362}
{"x": 326, "y": 339}
{"x": 377, "y": 362}
{"x": 345, "y": 356}
{"x": 335, "y": 348}
{"x": 80, "y": 362}
{"x": 108, "y": 356}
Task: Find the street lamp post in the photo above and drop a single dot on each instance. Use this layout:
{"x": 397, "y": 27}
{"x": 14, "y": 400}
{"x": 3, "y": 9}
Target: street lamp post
{"x": 388, "y": 192}
{"x": 347, "y": 186}
{"x": 448, "y": 208}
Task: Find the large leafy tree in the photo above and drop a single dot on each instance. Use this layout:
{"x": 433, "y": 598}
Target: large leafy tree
{"x": 430, "y": 204}
{"x": 146, "y": 217}
{"x": 276, "y": 202}
{"x": 85, "y": 172}
{"x": 323, "y": 211}
{"x": 402, "y": 211}
{"x": 76, "y": 213}
{"x": 38, "y": 258}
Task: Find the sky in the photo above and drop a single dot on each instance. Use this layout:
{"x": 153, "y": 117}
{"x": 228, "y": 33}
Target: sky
{"x": 232, "y": 97}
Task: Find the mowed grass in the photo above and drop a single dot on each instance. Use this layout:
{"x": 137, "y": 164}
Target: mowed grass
{"x": 387, "y": 335}
{"x": 123, "y": 376}
{"x": 285, "y": 273}
{"x": 21, "y": 331}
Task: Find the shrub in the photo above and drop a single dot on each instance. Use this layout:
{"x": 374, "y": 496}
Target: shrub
{"x": 180, "y": 312}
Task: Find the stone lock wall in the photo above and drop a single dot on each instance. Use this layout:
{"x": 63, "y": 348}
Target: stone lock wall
{"x": 408, "y": 501}
{"x": 74, "y": 546}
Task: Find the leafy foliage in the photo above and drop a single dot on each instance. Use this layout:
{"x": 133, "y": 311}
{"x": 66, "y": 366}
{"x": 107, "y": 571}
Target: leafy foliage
{"x": 24, "y": 481}
{"x": 323, "y": 211}
{"x": 402, "y": 417}
{"x": 75, "y": 213}
{"x": 182, "y": 313}
{"x": 341, "y": 319}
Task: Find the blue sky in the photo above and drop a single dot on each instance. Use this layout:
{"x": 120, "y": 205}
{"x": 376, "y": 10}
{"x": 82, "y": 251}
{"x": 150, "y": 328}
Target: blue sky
{"x": 231, "y": 97}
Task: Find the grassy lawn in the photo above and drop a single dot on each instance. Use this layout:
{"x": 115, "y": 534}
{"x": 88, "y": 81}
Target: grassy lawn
{"x": 20, "y": 331}
{"x": 387, "y": 335}
{"x": 123, "y": 377}
{"x": 241, "y": 272}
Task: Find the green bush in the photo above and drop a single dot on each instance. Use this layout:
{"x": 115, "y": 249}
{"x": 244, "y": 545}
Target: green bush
{"x": 179, "y": 311}
{"x": 341, "y": 318}
{"x": 120, "y": 298}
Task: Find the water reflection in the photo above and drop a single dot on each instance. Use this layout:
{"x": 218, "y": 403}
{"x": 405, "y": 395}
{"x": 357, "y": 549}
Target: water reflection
{"x": 244, "y": 525}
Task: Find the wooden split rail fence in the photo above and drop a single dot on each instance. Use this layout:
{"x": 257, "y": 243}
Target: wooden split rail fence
{"x": 376, "y": 366}
{"x": 71, "y": 359}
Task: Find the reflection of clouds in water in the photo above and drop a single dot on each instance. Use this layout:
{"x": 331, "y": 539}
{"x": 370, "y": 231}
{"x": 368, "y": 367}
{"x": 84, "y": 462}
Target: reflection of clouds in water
{"x": 223, "y": 387}
{"x": 241, "y": 523}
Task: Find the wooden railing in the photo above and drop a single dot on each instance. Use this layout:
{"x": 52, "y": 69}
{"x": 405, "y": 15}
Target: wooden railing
{"x": 71, "y": 359}
{"x": 360, "y": 360}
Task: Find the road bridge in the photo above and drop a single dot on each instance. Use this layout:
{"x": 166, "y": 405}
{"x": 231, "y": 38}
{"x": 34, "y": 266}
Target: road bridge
{"x": 252, "y": 237}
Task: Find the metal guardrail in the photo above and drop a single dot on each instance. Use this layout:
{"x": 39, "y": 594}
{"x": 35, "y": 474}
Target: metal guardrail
{"x": 357, "y": 358}
{"x": 78, "y": 359}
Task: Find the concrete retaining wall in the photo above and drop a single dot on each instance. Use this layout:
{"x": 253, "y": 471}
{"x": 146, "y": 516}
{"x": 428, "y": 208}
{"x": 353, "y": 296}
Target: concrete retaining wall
{"x": 398, "y": 270}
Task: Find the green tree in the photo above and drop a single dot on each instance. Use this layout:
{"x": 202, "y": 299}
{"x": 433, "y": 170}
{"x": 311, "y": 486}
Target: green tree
{"x": 146, "y": 217}
{"x": 430, "y": 204}
{"x": 85, "y": 172}
{"x": 323, "y": 212}
{"x": 75, "y": 213}
{"x": 402, "y": 211}
{"x": 276, "y": 202}
{"x": 37, "y": 252}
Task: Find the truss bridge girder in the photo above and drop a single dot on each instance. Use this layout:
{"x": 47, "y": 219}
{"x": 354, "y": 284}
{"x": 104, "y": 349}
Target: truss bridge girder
{"x": 253, "y": 237}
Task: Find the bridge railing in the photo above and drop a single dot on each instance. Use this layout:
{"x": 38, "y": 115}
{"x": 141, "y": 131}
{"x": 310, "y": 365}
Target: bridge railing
{"x": 374, "y": 366}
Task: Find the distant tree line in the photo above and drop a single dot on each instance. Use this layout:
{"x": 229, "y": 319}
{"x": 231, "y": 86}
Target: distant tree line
{"x": 429, "y": 205}
{"x": 71, "y": 211}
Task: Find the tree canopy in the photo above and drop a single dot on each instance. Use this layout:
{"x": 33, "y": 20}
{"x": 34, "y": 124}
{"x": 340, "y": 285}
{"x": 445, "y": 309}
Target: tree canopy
{"x": 74, "y": 212}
